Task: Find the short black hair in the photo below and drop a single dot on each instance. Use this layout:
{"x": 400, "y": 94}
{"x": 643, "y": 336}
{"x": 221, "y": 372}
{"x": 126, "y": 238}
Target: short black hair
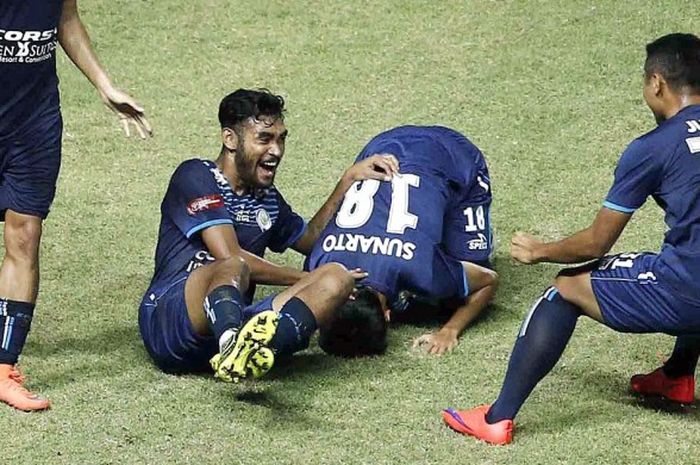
{"x": 242, "y": 104}
{"x": 358, "y": 329}
{"x": 676, "y": 57}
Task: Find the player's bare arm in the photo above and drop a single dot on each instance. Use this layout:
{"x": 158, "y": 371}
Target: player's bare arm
{"x": 74, "y": 39}
{"x": 381, "y": 167}
{"x": 587, "y": 244}
{"x": 482, "y": 283}
{"x": 221, "y": 242}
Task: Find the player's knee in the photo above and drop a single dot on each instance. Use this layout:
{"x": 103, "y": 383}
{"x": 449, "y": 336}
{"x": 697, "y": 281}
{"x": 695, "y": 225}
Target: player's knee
{"x": 22, "y": 238}
{"x": 234, "y": 269}
{"x": 335, "y": 279}
{"x": 567, "y": 287}
{"x": 492, "y": 278}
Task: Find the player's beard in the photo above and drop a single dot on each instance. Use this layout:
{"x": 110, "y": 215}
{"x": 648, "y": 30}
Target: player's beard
{"x": 247, "y": 167}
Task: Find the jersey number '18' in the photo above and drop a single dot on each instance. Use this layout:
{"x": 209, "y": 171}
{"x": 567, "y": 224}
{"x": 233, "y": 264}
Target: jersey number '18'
{"x": 359, "y": 203}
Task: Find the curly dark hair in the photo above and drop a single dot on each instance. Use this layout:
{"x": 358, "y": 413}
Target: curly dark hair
{"x": 242, "y": 104}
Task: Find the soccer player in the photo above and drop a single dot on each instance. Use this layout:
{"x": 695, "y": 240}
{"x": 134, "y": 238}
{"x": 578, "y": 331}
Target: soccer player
{"x": 218, "y": 219}
{"x": 30, "y": 156}
{"x": 633, "y": 292}
{"x": 427, "y": 232}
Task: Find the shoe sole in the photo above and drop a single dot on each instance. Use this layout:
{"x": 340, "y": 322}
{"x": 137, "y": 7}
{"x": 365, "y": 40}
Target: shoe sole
{"x": 252, "y": 339}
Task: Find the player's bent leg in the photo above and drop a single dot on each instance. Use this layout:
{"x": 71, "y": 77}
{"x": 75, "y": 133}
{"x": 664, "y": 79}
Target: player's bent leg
{"x": 309, "y": 305}
{"x": 577, "y": 289}
{"x": 213, "y": 295}
{"x": 301, "y": 309}
{"x": 541, "y": 340}
{"x": 322, "y": 291}
{"x": 19, "y": 282}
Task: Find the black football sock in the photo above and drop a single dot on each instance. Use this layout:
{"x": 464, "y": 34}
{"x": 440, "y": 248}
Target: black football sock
{"x": 224, "y": 312}
{"x": 15, "y": 321}
{"x": 541, "y": 340}
{"x": 296, "y": 326}
{"x": 684, "y": 358}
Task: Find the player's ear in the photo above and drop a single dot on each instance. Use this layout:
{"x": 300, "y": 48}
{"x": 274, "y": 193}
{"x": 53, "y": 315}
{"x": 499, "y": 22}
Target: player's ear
{"x": 658, "y": 84}
{"x": 229, "y": 138}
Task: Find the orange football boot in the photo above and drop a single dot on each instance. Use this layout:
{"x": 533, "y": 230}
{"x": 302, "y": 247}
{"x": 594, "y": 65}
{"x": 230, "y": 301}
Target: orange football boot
{"x": 473, "y": 423}
{"x": 657, "y": 383}
{"x": 13, "y": 393}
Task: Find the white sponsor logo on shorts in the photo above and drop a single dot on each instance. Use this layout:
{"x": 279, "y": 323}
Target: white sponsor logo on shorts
{"x": 478, "y": 244}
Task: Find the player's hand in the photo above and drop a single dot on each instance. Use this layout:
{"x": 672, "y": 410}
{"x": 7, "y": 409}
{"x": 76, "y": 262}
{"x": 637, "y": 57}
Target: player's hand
{"x": 381, "y": 167}
{"x": 524, "y": 247}
{"x": 129, "y": 112}
{"x": 437, "y": 343}
{"x": 357, "y": 274}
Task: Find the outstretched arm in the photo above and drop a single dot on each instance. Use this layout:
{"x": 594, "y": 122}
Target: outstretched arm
{"x": 482, "y": 287}
{"x": 592, "y": 242}
{"x": 380, "y": 167}
{"x": 221, "y": 242}
{"x": 75, "y": 41}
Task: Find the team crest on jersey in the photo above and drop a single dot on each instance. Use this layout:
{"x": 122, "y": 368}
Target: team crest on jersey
{"x": 204, "y": 203}
{"x": 263, "y": 219}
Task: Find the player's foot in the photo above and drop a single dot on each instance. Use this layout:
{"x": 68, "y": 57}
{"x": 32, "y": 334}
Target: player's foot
{"x": 656, "y": 383}
{"x": 473, "y": 423}
{"x": 13, "y": 393}
{"x": 249, "y": 356}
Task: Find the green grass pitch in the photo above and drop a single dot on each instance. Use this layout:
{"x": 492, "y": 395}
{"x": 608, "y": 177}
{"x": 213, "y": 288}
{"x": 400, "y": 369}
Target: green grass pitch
{"x": 550, "y": 90}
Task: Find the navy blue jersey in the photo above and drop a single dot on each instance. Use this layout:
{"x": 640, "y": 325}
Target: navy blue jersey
{"x": 665, "y": 164}
{"x": 198, "y": 197}
{"x": 28, "y": 82}
{"x": 394, "y": 230}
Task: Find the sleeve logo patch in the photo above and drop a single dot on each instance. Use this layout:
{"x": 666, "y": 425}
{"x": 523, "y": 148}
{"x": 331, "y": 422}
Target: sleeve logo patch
{"x": 693, "y": 144}
{"x": 205, "y": 203}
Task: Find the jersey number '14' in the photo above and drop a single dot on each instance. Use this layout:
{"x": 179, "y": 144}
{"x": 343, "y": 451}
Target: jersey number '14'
{"x": 359, "y": 203}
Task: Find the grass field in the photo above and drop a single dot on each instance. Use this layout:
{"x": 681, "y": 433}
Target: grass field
{"x": 550, "y": 90}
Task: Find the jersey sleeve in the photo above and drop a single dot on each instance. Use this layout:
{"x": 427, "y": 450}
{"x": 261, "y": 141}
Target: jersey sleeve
{"x": 288, "y": 228}
{"x": 636, "y": 177}
{"x": 193, "y": 201}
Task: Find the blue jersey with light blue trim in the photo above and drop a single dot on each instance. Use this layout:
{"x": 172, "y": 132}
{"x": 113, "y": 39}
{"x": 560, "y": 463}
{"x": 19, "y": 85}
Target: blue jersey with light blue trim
{"x": 28, "y": 81}
{"x": 665, "y": 164}
{"x": 394, "y": 230}
{"x": 198, "y": 197}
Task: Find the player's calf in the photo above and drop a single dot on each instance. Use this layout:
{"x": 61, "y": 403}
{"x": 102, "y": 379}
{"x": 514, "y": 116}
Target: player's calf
{"x": 215, "y": 306}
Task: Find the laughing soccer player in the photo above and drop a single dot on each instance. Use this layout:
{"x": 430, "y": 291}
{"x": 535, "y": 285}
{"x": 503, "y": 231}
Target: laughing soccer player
{"x": 218, "y": 219}
{"x": 30, "y": 157}
{"x": 428, "y": 232}
{"x": 634, "y": 292}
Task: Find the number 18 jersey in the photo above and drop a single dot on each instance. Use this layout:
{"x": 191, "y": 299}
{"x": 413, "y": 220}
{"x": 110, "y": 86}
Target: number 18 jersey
{"x": 412, "y": 232}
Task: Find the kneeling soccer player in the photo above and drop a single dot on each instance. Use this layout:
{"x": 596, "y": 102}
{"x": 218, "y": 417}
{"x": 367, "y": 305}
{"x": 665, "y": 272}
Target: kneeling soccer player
{"x": 427, "y": 231}
{"x": 637, "y": 292}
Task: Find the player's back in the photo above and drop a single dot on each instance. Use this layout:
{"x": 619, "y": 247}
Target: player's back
{"x": 435, "y": 151}
{"x": 393, "y": 229}
{"x": 668, "y": 166}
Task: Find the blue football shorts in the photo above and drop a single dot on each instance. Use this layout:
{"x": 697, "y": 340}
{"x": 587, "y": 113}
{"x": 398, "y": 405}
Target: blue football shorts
{"x": 634, "y": 300}
{"x": 29, "y": 164}
{"x": 168, "y": 334}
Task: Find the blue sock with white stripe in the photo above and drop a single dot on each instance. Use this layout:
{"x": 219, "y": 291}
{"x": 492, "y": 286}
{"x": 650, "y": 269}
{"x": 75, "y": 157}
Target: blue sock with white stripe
{"x": 541, "y": 341}
{"x": 15, "y": 321}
